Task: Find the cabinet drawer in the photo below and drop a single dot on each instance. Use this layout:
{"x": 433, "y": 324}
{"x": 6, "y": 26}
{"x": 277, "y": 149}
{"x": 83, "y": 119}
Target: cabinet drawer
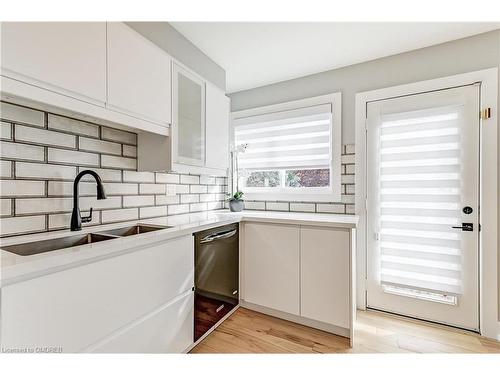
{"x": 78, "y": 307}
{"x": 168, "y": 330}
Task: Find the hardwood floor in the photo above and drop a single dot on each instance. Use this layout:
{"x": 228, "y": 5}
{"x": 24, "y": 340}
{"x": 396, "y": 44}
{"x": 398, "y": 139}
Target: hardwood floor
{"x": 248, "y": 331}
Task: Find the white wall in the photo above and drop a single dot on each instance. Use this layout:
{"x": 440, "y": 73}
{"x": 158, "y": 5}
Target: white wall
{"x": 460, "y": 56}
{"x": 464, "y": 55}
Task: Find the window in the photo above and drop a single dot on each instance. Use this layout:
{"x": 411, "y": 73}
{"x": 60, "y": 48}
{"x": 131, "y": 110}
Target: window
{"x": 291, "y": 150}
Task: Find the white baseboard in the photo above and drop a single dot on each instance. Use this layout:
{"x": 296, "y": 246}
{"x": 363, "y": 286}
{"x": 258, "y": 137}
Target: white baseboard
{"x": 327, "y": 327}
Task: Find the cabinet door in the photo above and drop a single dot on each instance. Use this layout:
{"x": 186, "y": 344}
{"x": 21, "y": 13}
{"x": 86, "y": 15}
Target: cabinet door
{"x": 188, "y": 125}
{"x": 139, "y": 75}
{"x": 168, "y": 330}
{"x": 325, "y": 275}
{"x": 65, "y": 57}
{"x": 81, "y": 306}
{"x": 271, "y": 266}
{"x": 217, "y": 118}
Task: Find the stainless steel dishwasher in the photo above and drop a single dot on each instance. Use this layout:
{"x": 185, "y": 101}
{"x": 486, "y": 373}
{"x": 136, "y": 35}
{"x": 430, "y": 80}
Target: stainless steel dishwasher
{"x": 216, "y": 276}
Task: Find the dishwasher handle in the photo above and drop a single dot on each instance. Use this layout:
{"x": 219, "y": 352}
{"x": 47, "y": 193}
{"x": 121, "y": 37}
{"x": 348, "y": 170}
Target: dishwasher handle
{"x": 218, "y": 236}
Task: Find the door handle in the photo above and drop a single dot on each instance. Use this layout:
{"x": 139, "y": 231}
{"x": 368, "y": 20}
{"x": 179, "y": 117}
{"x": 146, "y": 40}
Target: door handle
{"x": 466, "y": 227}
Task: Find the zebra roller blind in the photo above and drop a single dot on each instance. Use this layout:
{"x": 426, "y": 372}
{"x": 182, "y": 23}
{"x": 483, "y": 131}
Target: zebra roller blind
{"x": 420, "y": 199}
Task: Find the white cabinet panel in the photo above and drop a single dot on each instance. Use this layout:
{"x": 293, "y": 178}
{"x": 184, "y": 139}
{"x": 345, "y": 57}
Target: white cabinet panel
{"x": 271, "y": 266}
{"x": 139, "y": 75}
{"x": 65, "y": 57}
{"x": 325, "y": 274}
{"x": 217, "y": 124}
{"x": 168, "y": 330}
{"x": 78, "y": 307}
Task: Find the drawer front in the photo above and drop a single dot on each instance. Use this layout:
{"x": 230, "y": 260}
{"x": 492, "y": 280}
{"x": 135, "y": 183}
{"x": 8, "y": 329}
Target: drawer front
{"x": 168, "y": 330}
{"x": 76, "y": 308}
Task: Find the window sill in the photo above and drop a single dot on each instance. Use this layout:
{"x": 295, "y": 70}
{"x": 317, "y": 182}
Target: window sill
{"x": 331, "y": 197}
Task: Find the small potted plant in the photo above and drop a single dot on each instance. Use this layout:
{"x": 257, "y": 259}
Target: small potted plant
{"x": 236, "y": 203}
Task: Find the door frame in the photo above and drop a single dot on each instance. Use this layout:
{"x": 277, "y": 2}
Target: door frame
{"x": 488, "y": 172}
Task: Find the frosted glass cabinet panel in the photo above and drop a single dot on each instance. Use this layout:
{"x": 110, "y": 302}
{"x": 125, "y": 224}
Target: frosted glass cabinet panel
{"x": 188, "y": 126}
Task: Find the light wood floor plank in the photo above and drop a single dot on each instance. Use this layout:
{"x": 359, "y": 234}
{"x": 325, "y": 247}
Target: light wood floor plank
{"x": 248, "y": 331}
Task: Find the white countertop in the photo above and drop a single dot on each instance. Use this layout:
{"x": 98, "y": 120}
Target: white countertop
{"x": 16, "y": 268}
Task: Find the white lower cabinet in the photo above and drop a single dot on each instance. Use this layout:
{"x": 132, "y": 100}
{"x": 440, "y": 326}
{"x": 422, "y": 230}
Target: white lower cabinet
{"x": 325, "y": 275}
{"x": 167, "y": 330}
{"x": 79, "y": 307}
{"x": 299, "y": 272}
{"x": 271, "y": 266}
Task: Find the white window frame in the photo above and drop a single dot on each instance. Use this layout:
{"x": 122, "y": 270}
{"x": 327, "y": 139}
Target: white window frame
{"x": 318, "y": 194}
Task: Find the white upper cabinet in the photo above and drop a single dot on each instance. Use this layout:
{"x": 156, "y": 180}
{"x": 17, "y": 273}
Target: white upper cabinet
{"x": 64, "y": 57}
{"x": 217, "y": 126}
{"x": 139, "y": 75}
{"x": 188, "y": 125}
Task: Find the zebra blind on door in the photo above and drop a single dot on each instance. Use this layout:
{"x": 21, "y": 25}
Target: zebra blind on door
{"x": 420, "y": 199}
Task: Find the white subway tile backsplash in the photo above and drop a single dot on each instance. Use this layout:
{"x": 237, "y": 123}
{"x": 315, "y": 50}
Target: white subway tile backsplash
{"x": 347, "y": 199}
{"x": 347, "y": 179}
{"x": 198, "y": 189}
{"x": 145, "y": 212}
{"x": 62, "y": 221}
{"x": 130, "y": 151}
{"x": 350, "y": 149}
{"x": 119, "y": 136}
{"x": 70, "y": 125}
{"x": 190, "y": 198}
{"x": 335, "y": 208}
{"x": 207, "y": 197}
{"x": 138, "y": 200}
{"x": 185, "y": 179}
{"x": 22, "y": 188}
{"x": 5, "y": 169}
{"x": 195, "y": 207}
{"x": 167, "y": 178}
{"x": 178, "y": 209}
{"x": 65, "y": 188}
{"x": 133, "y": 176}
{"x": 45, "y": 171}
{"x": 106, "y": 175}
{"x": 277, "y": 206}
{"x": 253, "y": 205}
{"x": 56, "y": 155}
{"x": 350, "y": 189}
{"x": 5, "y": 130}
{"x": 20, "y": 225}
{"x": 121, "y": 189}
{"x": 26, "y": 206}
{"x": 5, "y": 207}
{"x": 44, "y": 137}
{"x": 349, "y": 209}
{"x": 207, "y": 180}
{"x": 37, "y": 186}
{"x": 20, "y": 114}
{"x": 125, "y": 214}
{"x": 118, "y": 162}
{"x": 96, "y": 145}
{"x": 349, "y": 168}
{"x": 167, "y": 199}
{"x": 180, "y": 189}
{"x": 11, "y": 150}
{"x": 102, "y": 204}
{"x": 302, "y": 207}
{"x": 152, "y": 189}
{"x": 347, "y": 159}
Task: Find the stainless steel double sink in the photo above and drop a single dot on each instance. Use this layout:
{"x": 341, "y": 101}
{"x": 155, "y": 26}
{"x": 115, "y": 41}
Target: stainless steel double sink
{"x": 38, "y": 247}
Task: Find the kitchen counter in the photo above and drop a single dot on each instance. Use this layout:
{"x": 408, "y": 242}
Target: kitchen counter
{"x": 15, "y": 268}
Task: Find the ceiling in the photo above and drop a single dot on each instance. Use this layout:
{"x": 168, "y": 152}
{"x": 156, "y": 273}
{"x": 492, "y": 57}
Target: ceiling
{"x": 257, "y": 53}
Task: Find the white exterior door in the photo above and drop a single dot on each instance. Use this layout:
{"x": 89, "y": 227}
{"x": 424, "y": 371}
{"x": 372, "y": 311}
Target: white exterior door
{"x": 423, "y": 194}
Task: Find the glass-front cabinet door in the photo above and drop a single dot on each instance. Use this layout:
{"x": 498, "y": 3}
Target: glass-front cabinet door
{"x": 188, "y": 125}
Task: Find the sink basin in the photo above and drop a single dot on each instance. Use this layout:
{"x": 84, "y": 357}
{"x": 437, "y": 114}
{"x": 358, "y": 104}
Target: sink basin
{"x": 135, "y": 229}
{"x": 38, "y": 247}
